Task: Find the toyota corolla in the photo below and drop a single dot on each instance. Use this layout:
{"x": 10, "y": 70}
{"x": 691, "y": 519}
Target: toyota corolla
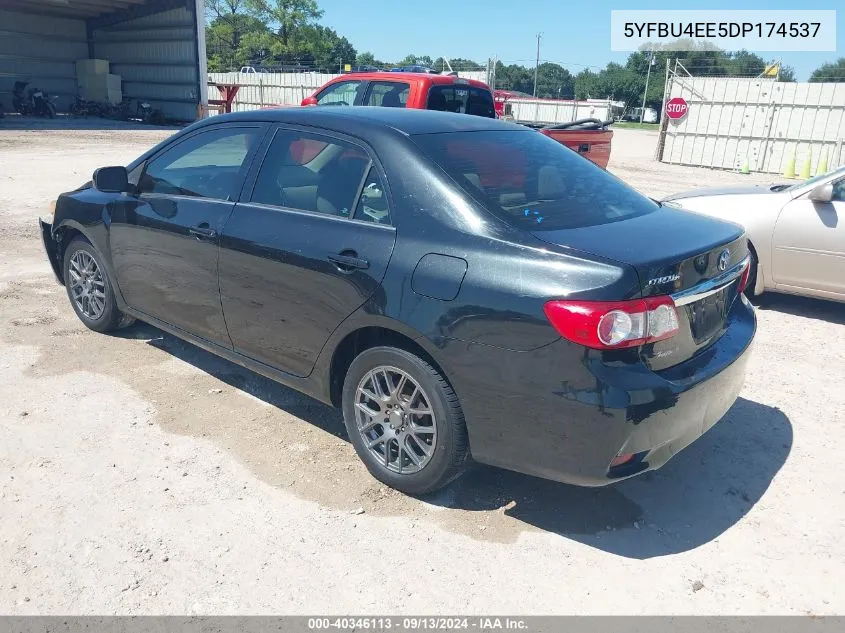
{"x": 463, "y": 288}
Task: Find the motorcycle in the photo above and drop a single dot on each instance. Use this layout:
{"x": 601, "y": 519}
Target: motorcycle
{"x": 145, "y": 113}
{"x": 32, "y": 102}
{"x": 82, "y": 108}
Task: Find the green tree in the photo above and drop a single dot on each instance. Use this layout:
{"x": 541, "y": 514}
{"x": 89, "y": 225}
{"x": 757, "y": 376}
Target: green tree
{"x": 416, "y": 60}
{"x": 368, "y": 59}
{"x": 830, "y": 72}
{"x": 315, "y": 46}
{"x": 787, "y": 73}
{"x": 586, "y": 84}
{"x": 745, "y": 64}
{"x": 289, "y": 17}
{"x": 459, "y": 63}
{"x": 514, "y": 77}
{"x": 639, "y": 63}
{"x": 232, "y": 36}
{"x": 554, "y": 82}
{"x": 619, "y": 83}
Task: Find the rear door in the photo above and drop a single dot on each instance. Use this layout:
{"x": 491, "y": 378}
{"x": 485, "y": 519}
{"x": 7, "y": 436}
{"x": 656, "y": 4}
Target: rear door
{"x": 808, "y": 245}
{"x": 388, "y": 94}
{"x": 307, "y": 246}
{"x": 164, "y": 238}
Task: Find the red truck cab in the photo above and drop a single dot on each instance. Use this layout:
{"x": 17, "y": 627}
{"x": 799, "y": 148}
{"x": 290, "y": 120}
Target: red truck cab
{"x": 426, "y": 91}
{"x": 421, "y": 91}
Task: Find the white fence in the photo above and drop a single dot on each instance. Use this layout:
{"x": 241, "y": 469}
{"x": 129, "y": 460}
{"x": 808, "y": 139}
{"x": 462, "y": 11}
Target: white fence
{"x": 760, "y": 123}
{"x": 266, "y": 89}
{"x": 527, "y": 110}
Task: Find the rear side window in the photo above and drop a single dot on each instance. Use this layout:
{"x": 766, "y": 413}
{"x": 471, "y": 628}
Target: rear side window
{"x": 532, "y": 181}
{"x": 311, "y": 172}
{"x": 341, "y": 93}
{"x": 372, "y": 206}
{"x": 463, "y": 99}
{"x": 389, "y": 94}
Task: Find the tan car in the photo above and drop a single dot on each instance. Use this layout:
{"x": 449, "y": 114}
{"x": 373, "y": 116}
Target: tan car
{"x": 796, "y": 232}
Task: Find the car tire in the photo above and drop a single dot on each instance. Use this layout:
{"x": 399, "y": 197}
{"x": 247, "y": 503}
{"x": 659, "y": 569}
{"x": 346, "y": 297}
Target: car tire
{"x": 93, "y": 297}
{"x": 752, "y": 275}
{"x": 445, "y": 455}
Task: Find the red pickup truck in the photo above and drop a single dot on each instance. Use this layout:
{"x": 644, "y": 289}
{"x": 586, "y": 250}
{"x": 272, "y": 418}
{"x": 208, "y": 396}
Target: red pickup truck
{"x": 424, "y": 91}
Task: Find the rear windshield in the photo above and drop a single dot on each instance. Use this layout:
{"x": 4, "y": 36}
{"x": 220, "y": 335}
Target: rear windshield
{"x": 532, "y": 181}
{"x": 462, "y": 98}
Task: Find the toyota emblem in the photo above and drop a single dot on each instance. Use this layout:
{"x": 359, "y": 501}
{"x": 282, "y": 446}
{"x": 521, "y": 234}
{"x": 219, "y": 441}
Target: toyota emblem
{"x": 724, "y": 258}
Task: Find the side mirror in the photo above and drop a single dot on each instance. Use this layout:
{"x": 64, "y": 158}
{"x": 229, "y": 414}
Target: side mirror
{"x": 822, "y": 193}
{"x": 111, "y": 179}
{"x": 309, "y": 101}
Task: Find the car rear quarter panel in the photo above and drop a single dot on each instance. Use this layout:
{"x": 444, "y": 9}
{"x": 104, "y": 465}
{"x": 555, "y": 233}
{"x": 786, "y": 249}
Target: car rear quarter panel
{"x": 509, "y": 274}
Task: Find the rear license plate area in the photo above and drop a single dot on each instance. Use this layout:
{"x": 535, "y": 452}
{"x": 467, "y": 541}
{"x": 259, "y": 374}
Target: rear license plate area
{"x": 706, "y": 316}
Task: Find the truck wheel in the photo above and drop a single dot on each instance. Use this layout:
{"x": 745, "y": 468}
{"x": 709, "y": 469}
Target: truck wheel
{"x": 404, "y": 420}
{"x": 89, "y": 288}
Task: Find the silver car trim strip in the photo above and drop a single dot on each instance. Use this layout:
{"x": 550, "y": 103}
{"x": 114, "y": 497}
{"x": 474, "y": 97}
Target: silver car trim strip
{"x": 711, "y": 286}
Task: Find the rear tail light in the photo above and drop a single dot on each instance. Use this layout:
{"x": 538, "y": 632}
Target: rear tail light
{"x": 743, "y": 280}
{"x": 614, "y": 324}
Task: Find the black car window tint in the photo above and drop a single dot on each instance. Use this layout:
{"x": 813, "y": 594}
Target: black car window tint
{"x": 342, "y": 93}
{"x": 532, "y": 181}
{"x": 207, "y": 165}
{"x": 311, "y": 173}
{"x": 462, "y": 99}
{"x": 390, "y": 94}
{"x": 372, "y": 205}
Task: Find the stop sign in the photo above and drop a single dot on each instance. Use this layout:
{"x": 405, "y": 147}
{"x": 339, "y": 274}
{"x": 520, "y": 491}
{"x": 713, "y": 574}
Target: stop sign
{"x": 676, "y": 108}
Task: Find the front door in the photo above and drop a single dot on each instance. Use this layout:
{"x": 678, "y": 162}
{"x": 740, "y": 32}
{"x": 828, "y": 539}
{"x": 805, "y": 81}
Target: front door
{"x": 306, "y": 249}
{"x": 165, "y": 238}
{"x": 808, "y": 244}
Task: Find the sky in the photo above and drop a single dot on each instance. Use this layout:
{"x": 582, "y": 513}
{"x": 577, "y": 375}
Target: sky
{"x": 574, "y": 34}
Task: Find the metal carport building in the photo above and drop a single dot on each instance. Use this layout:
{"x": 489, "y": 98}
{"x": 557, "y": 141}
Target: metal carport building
{"x": 156, "y": 46}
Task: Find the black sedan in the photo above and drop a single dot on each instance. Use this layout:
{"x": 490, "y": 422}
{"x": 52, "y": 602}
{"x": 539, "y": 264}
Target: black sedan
{"x": 464, "y": 288}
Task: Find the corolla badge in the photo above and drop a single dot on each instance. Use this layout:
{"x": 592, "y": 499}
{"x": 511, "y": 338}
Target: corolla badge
{"x": 663, "y": 280}
{"x": 724, "y": 258}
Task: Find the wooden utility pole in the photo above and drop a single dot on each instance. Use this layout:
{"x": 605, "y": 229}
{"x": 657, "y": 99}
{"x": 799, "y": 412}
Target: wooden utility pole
{"x": 537, "y": 63}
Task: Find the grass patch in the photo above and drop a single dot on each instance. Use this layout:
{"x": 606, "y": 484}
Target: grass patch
{"x": 635, "y": 125}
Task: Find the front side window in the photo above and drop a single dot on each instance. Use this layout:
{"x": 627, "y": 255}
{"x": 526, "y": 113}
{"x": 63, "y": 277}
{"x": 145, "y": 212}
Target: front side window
{"x": 532, "y": 181}
{"x": 311, "y": 172}
{"x": 208, "y": 165}
{"x": 463, "y": 99}
{"x": 341, "y": 93}
{"x": 389, "y": 94}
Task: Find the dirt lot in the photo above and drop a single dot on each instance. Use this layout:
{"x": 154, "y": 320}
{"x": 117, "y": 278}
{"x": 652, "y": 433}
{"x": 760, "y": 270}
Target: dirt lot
{"x": 139, "y": 474}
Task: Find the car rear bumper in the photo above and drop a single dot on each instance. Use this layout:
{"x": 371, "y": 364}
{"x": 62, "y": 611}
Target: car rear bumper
{"x": 50, "y": 248}
{"x": 563, "y": 412}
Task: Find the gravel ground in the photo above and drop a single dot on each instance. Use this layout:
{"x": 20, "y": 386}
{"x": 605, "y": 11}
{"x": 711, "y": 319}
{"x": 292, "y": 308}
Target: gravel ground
{"x": 141, "y": 475}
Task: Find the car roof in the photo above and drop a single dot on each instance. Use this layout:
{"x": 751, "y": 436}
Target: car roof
{"x": 388, "y": 75}
{"x": 363, "y": 118}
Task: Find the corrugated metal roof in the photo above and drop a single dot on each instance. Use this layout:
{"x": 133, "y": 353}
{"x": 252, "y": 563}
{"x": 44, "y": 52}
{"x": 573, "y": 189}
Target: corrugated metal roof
{"x": 69, "y": 8}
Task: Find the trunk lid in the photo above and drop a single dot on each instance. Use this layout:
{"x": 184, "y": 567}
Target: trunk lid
{"x": 674, "y": 253}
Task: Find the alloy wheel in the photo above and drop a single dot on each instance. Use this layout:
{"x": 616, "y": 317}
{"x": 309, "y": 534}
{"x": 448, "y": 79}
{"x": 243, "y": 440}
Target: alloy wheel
{"x": 395, "y": 419}
{"x": 87, "y": 285}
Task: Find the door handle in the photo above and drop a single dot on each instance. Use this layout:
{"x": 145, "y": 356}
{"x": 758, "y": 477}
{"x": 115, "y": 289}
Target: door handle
{"x": 348, "y": 260}
{"x": 202, "y": 231}
{"x": 583, "y": 148}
